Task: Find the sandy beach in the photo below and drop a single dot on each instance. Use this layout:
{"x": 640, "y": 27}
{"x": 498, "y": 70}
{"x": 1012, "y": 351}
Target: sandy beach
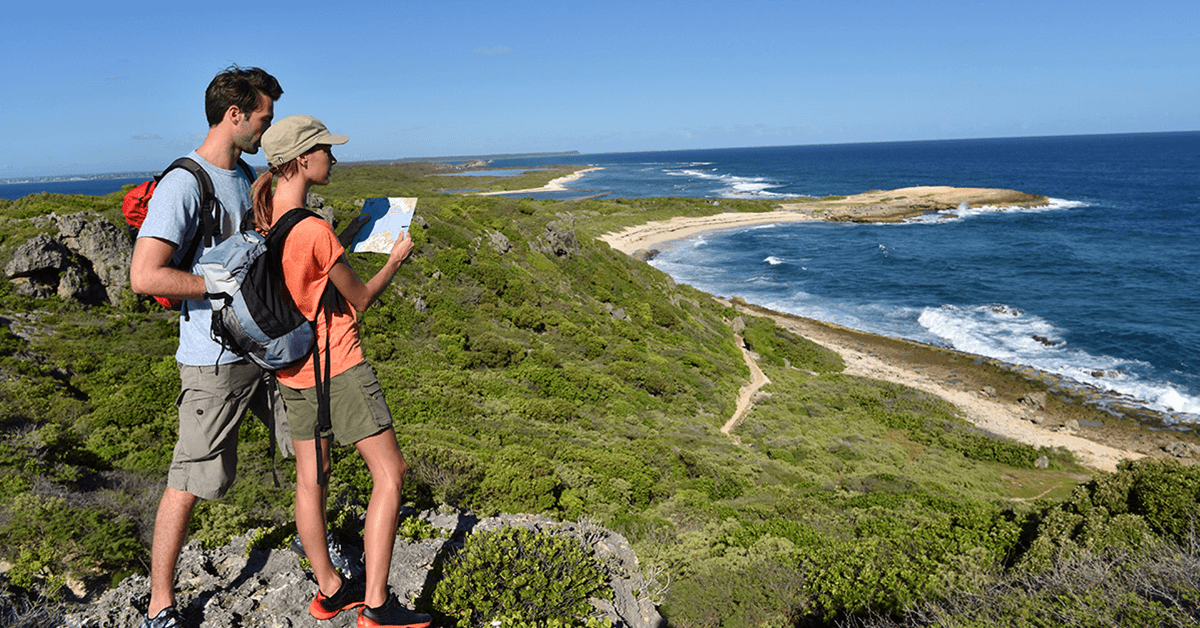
{"x": 953, "y": 376}
{"x": 873, "y": 206}
{"x": 555, "y": 185}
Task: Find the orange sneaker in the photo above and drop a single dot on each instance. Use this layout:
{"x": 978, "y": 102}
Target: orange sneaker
{"x": 391, "y": 615}
{"x": 350, "y": 595}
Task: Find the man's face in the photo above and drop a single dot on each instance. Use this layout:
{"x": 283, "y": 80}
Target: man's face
{"x": 249, "y": 133}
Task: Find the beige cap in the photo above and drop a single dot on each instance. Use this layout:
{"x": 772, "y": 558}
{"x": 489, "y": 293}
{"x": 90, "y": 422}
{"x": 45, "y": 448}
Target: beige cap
{"x": 293, "y": 136}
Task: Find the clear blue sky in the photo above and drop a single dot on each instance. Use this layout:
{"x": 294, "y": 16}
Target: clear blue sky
{"x": 111, "y": 87}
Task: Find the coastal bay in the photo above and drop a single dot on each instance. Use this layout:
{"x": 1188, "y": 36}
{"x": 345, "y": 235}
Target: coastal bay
{"x": 1099, "y": 440}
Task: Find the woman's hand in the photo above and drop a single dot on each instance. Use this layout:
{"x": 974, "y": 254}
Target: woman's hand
{"x": 401, "y": 249}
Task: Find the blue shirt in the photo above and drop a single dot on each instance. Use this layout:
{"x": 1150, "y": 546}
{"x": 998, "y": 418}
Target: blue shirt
{"x": 174, "y": 215}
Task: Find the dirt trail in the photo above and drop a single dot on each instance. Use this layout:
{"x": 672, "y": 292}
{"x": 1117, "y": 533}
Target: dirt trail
{"x": 757, "y": 380}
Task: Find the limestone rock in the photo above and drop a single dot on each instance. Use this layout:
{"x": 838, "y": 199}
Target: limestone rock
{"x": 1034, "y": 399}
{"x": 88, "y": 260}
{"x": 40, "y": 254}
{"x": 559, "y": 240}
{"x": 103, "y": 249}
{"x": 1181, "y": 449}
{"x": 237, "y": 586}
{"x": 499, "y": 242}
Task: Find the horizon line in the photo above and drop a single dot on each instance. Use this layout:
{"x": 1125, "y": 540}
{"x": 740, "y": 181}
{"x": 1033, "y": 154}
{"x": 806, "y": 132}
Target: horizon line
{"x": 528, "y": 154}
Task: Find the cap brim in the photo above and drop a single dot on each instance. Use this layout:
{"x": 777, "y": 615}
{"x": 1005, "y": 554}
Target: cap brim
{"x": 331, "y": 138}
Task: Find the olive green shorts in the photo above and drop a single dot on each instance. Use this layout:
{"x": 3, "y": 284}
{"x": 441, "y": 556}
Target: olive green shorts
{"x": 356, "y": 406}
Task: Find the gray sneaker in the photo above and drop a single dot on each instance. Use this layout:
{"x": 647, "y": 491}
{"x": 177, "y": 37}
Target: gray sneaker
{"x": 346, "y": 560}
{"x": 168, "y": 617}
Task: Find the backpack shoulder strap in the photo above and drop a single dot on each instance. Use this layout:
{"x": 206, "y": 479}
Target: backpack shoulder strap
{"x": 247, "y": 169}
{"x": 208, "y": 206}
{"x": 331, "y": 300}
{"x": 282, "y": 227}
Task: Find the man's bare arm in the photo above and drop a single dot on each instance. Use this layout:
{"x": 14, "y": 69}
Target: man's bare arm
{"x": 151, "y": 272}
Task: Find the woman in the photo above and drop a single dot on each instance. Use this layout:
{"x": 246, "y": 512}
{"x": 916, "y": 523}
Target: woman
{"x": 299, "y": 155}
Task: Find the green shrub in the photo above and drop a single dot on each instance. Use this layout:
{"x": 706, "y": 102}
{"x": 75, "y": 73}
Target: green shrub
{"x": 214, "y": 523}
{"x": 495, "y": 351}
{"x": 529, "y": 317}
{"x": 413, "y": 529}
{"x": 780, "y": 346}
{"x": 519, "y": 480}
{"x": 1144, "y": 501}
{"x": 48, "y": 542}
{"x": 520, "y": 577}
{"x": 448, "y": 475}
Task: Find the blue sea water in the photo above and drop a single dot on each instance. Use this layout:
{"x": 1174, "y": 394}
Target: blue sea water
{"x": 99, "y": 185}
{"x": 1100, "y": 286}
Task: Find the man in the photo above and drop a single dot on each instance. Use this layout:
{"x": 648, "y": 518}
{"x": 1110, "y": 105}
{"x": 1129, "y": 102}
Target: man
{"x": 239, "y": 104}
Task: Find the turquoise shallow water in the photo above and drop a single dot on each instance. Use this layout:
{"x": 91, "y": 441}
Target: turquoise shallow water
{"x": 1101, "y": 286}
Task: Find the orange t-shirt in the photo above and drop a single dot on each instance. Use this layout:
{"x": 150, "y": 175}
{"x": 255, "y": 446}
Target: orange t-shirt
{"x": 311, "y": 249}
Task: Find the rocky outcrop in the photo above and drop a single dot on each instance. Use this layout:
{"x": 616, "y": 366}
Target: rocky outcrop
{"x": 86, "y": 261}
{"x": 102, "y": 246}
{"x": 240, "y": 586}
{"x": 36, "y": 266}
{"x": 499, "y": 242}
{"x": 558, "y": 240}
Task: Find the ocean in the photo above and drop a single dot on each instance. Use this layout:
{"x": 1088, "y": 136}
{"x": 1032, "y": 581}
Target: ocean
{"x": 90, "y": 185}
{"x": 1100, "y": 286}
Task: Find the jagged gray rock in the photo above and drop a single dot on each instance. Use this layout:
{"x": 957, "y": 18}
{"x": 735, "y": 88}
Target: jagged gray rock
{"x": 103, "y": 248}
{"x": 499, "y": 242}
{"x": 39, "y": 253}
{"x": 558, "y": 240}
{"x": 87, "y": 260}
{"x": 234, "y": 586}
{"x": 36, "y": 265}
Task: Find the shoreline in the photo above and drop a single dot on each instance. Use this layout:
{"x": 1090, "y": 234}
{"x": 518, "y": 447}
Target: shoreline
{"x": 873, "y": 206}
{"x": 958, "y": 379}
{"x": 555, "y": 185}
{"x": 1099, "y": 441}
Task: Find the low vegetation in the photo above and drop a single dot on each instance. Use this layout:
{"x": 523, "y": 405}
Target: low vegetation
{"x": 576, "y": 381}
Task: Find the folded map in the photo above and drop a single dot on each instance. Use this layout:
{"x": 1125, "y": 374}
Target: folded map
{"x": 387, "y": 218}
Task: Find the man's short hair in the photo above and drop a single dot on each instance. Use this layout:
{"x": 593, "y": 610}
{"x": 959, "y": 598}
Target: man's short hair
{"x": 240, "y": 87}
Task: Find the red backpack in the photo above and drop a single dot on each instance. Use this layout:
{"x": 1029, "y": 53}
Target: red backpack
{"x": 137, "y": 201}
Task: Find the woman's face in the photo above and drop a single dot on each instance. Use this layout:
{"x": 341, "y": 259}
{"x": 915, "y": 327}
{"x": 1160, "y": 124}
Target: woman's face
{"x": 318, "y": 163}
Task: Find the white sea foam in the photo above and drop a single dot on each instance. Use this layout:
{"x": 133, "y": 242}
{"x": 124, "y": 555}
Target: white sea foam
{"x": 1007, "y": 334}
{"x": 730, "y": 186}
{"x": 774, "y": 261}
{"x": 963, "y": 211}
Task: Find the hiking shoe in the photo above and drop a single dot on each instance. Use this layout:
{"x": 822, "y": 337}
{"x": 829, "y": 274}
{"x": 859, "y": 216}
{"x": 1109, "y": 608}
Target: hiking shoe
{"x": 349, "y": 595}
{"x": 344, "y": 559}
{"x": 391, "y": 615}
{"x": 168, "y": 617}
